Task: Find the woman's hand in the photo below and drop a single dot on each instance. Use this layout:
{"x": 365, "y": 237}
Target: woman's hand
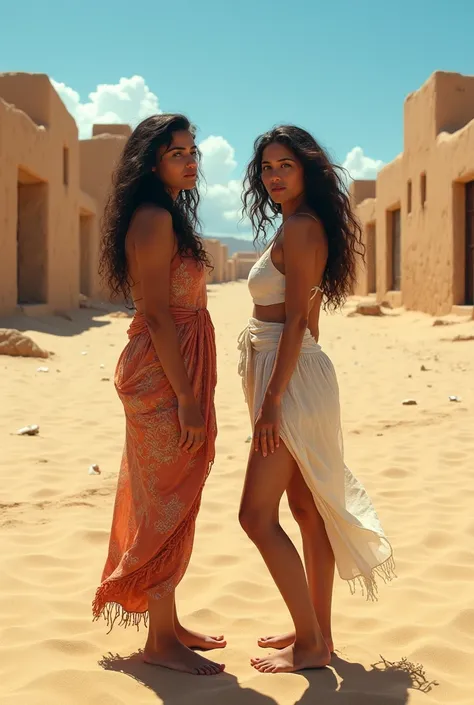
{"x": 193, "y": 432}
{"x": 266, "y": 435}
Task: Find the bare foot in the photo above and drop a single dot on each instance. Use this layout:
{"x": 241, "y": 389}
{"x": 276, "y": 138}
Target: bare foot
{"x": 292, "y": 659}
{"x": 179, "y": 658}
{"x": 195, "y": 640}
{"x": 283, "y": 640}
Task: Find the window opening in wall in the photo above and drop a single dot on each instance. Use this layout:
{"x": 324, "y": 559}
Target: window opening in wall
{"x": 65, "y": 166}
{"x": 371, "y": 259}
{"x": 469, "y": 272}
{"x": 409, "y": 196}
{"x": 423, "y": 189}
{"x": 396, "y": 251}
{"x": 32, "y": 238}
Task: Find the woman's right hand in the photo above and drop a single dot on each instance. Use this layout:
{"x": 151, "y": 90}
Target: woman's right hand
{"x": 191, "y": 421}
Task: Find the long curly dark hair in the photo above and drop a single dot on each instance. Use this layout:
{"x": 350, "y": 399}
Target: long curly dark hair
{"x": 135, "y": 184}
{"x": 325, "y": 193}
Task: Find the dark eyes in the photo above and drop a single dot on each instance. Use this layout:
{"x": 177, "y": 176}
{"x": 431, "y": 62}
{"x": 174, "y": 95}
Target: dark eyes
{"x": 180, "y": 154}
{"x": 267, "y": 166}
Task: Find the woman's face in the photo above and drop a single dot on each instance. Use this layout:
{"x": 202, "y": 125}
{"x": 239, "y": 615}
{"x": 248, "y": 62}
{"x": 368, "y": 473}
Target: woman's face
{"x": 282, "y": 173}
{"x": 177, "y": 163}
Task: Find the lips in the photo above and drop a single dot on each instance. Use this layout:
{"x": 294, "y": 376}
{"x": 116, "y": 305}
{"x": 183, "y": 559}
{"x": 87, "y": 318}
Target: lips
{"x": 190, "y": 176}
{"x": 275, "y": 189}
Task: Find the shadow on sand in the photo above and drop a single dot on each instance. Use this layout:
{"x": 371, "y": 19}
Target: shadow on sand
{"x": 343, "y": 683}
{"x": 68, "y": 323}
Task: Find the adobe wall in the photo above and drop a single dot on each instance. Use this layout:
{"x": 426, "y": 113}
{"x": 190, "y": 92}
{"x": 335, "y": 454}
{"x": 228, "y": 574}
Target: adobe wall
{"x": 360, "y": 190}
{"x": 455, "y": 163}
{"x": 111, "y": 129}
{"x": 389, "y": 189}
{"x": 89, "y": 220}
{"x": 34, "y": 153}
{"x": 365, "y": 281}
{"x": 225, "y": 257}
{"x": 231, "y": 271}
{"x": 431, "y": 163}
{"x": 427, "y": 182}
{"x": 98, "y": 157}
{"x": 213, "y": 248}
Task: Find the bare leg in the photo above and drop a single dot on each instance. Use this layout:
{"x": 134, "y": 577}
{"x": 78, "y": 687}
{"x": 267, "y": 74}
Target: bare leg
{"x": 266, "y": 480}
{"x": 196, "y": 640}
{"x": 319, "y": 561}
{"x": 163, "y": 648}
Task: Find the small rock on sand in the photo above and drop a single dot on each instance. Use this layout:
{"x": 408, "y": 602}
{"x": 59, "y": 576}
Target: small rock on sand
{"x": 369, "y": 309}
{"x": 32, "y": 430}
{"x": 17, "y": 344}
{"x": 409, "y": 402}
{"x": 462, "y": 338}
{"x": 441, "y": 322}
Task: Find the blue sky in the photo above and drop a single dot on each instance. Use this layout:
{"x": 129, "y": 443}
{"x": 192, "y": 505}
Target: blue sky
{"x": 339, "y": 68}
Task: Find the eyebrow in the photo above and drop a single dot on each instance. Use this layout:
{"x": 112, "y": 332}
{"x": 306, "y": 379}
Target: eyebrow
{"x": 285, "y": 159}
{"x": 180, "y": 149}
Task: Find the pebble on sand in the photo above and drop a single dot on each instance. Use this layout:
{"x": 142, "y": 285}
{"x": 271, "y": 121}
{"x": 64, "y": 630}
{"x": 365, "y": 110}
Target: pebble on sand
{"x": 31, "y": 430}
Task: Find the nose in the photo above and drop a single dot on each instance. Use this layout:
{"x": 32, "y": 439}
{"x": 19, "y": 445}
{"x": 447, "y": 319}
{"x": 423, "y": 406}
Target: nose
{"x": 275, "y": 178}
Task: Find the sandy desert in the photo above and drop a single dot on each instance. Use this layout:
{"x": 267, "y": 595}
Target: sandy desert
{"x": 415, "y": 460}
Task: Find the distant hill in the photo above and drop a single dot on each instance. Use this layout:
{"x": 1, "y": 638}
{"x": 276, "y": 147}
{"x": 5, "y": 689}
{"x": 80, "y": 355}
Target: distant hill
{"x": 235, "y": 244}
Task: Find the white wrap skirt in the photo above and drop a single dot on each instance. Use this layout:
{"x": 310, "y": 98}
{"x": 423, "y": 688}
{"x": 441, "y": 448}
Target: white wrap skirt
{"x": 311, "y": 430}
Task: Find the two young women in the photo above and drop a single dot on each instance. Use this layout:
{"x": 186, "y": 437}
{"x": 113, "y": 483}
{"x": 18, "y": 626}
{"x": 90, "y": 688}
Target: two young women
{"x": 166, "y": 378}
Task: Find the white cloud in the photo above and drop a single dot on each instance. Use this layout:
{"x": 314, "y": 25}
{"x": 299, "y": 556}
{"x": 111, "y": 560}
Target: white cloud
{"x": 218, "y": 159}
{"x": 128, "y": 101}
{"x": 221, "y": 209}
{"x": 361, "y": 167}
{"x": 221, "y": 194}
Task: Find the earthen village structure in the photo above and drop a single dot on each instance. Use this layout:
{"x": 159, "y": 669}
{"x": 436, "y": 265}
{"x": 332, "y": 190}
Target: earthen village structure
{"x": 417, "y": 216}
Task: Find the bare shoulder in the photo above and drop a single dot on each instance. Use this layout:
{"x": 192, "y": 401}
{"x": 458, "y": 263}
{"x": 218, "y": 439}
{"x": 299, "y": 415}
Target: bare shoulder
{"x": 305, "y": 230}
{"x": 150, "y": 220}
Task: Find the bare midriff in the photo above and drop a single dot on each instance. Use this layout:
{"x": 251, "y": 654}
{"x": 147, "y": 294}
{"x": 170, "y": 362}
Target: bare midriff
{"x": 276, "y": 313}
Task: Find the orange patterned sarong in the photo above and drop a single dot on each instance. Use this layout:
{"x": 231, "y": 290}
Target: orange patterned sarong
{"x": 160, "y": 485}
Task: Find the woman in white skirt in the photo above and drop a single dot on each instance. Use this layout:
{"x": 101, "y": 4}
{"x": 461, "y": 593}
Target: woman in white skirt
{"x": 293, "y": 398}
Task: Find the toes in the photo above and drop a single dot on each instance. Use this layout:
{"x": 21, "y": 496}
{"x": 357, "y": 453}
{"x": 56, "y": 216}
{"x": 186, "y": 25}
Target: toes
{"x": 260, "y": 665}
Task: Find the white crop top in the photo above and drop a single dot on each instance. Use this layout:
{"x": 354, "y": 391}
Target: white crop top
{"x": 266, "y": 284}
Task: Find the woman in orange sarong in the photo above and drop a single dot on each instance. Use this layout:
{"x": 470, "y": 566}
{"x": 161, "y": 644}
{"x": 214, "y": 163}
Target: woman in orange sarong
{"x": 165, "y": 378}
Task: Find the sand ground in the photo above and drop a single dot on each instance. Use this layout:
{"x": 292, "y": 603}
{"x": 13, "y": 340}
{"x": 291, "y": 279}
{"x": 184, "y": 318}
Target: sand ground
{"x": 416, "y": 462}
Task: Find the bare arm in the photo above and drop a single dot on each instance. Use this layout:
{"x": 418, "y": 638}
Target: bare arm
{"x": 305, "y": 253}
{"x": 154, "y": 244}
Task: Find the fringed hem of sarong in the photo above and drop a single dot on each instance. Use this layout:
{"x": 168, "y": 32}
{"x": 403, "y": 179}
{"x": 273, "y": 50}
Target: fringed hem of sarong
{"x": 107, "y": 603}
{"x": 368, "y": 583}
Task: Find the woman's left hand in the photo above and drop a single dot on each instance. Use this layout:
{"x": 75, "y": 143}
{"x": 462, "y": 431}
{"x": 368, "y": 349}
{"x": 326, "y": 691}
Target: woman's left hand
{"x": 266, "y": 435}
